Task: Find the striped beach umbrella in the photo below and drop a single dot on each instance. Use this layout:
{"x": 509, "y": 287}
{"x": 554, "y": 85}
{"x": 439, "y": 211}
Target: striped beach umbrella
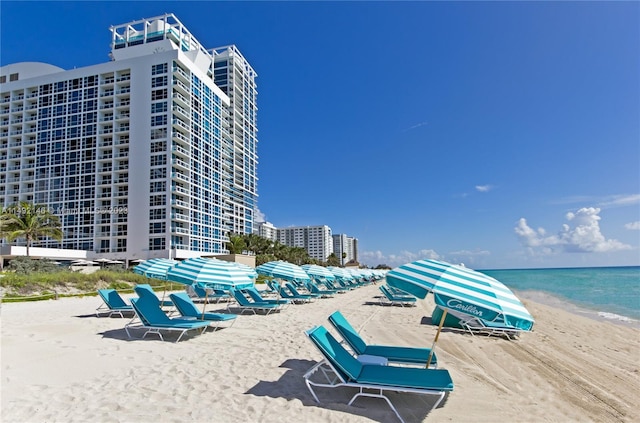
{"x": 318, "y": 272}
{"x": 283, "y": 270}
{"x": 341, "y": 273}
{"x": 155, "y": 268}
{"x": 210, "y": 273}
{"x": 462, "y": 290}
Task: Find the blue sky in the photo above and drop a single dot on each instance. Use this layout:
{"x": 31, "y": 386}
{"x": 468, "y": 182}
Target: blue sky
{"x": 497, "y": 134}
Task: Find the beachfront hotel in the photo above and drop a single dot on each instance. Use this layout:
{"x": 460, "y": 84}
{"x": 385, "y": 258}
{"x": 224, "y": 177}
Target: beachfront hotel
{"x": 346, "y": 246}
{"x": 151, "y": 154}
{"x": 317, "y": 240}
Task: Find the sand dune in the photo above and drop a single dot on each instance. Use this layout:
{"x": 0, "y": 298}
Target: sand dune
{"x": 62, "y": 364}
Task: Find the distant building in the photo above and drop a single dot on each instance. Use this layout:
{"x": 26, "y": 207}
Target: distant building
{"x": 315, "y": 239}
{"x": 347, "y": 246}
{"x": 267, "y": 230}
{"x": 152, "y": 154}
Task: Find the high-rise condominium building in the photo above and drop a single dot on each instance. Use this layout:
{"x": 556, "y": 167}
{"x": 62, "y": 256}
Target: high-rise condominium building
{"x": 315, "y": 239}
{"x": 345, "y": 248}
{"x": 152, "y": 154}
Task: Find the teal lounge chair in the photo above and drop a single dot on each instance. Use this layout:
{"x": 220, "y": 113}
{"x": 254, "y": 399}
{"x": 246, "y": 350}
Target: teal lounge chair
{"x": 255, "y": 296}
{"x": 145, "y": 290}
{"x": 154, "y": 320}
{"x": 112, "y": 304}
{"x": 476, "y": 326}
{"x": 324, "y": 293}
{"x": 340, "y": 368}
{"x": 395, "y": 354}
{"x": 297, "y": 296}
{"x": 187, "y": 308}
{"x": 207, "y": 294}
{"x": 245, "y": 305}
{"x": 390, "y": 298}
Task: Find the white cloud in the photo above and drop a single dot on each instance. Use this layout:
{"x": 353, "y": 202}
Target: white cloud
{"x": 620, "y": 200}
{"x": 417, "y": 125}
{"x": 609, "y": 201}
{"x": 633, "y": 226}
{"x": 585, "y": 236}
{"x": 258, "y": 216}
{"x": 484, "y": 188}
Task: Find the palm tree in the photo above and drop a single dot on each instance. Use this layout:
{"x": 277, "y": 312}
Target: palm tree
{"x": 29, "y": 221}
{"x": 236, "y": 244}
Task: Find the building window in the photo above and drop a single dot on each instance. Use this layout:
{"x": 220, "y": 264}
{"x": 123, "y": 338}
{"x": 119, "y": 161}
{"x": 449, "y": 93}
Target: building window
{"x": 157, "y": 227}
{"x": 160, "y": 120}
{"x": 159, "y": 94}
{"x": 158, "y": 81}
{"x": 159, "y": 69}
{"x": 159, "y": 107}
{"x": 157, "y": 214}
{"x": 157, "y": 243}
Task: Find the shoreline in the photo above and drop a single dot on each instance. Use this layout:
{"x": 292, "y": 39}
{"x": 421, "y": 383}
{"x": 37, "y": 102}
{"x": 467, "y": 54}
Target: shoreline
{"x": 60, "y": 363}
{"x": 552, "y": 300}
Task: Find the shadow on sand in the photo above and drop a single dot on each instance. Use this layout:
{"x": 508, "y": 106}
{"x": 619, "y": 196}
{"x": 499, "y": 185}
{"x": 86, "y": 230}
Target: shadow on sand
{"x": 412, "y": 407}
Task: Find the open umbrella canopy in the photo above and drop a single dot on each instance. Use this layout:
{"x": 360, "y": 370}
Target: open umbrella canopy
{"x": 211, "y": 273}
{"x": 318, "y": 272}
{"x": 462, "y": 290}
{"x": 341, "y": 273}
{"x": 155, "y": 268}
{"x": 283, "y": 270}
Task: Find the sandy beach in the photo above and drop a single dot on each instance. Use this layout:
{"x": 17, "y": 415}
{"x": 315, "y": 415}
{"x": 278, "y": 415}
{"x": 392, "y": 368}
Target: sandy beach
{"x": 60, "y": 363}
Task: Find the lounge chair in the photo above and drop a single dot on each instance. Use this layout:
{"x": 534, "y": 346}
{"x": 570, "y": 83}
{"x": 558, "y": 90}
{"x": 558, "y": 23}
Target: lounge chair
{"x": 297, "y": 296}
{"x": 255, "y": 296}
{"x": 145, "y": 290}
{"x": 476, "y": 326}
{"x": 330, "y": 285}
{"x": 284, "y": 293}
{"x": 112, "y": 304}
{"x": 245, "y": 305}
{"x": 394, "y": 354}
{"x": 154, "y": 320}
{"x": 187, "y": 308}
{"x": 340, "y": 369}
{"x": 206, "y": 294}
{"x": 324, "y": 293}
{"x": 390, "y": 298}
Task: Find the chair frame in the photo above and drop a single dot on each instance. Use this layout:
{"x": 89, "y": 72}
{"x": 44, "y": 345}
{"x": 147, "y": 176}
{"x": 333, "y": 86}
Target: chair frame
{"x": 474, "y": 326}
{"x": 106, "y": 307}
{"x": 351, "y": 337}
{"x": 336, "y": 378}
{"x": 392, "y": 299}
{"x": 190, "y": 324}
{"x": 245, "y": 305}
{"x": 177, "y": 301}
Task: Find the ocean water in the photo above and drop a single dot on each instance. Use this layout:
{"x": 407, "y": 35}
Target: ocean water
{"x": 611, "y": 293}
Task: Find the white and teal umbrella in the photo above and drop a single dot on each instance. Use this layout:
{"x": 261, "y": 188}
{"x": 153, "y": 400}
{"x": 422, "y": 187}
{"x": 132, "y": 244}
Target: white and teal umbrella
{"x": 458, "y": 289}
{"x": 318, "y": 272}
{"x": 155, "y": 268}
{"x": 283, "y": 270}
{"x": 210, "y": 273}
{"x": 341, "y": 273}
{"x": 462, "y": 290}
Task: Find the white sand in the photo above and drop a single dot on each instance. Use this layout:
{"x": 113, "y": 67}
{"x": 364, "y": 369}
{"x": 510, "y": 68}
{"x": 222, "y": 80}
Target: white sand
{"x": 62, "y": 364}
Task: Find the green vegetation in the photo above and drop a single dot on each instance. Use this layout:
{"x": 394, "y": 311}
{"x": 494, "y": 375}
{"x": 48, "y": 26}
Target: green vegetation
{"x": 267, "y": 250}
{"x": 42, "y": 285}
{"x": 29, "y": 221}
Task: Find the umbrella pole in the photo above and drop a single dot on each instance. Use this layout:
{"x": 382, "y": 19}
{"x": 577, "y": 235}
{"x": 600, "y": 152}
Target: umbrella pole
{"x": 206, "y": 300}
{"x": 433, "y": 346}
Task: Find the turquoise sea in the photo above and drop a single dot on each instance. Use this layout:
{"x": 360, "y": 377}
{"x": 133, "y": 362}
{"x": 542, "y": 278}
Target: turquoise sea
{"x": 611, "y": 293}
